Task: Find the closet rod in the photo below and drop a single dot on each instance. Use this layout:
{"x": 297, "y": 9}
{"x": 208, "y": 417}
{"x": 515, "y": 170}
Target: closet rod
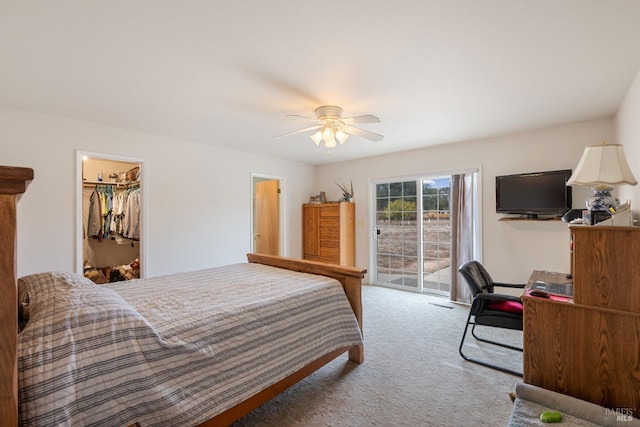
{"x": 121, "y": 185}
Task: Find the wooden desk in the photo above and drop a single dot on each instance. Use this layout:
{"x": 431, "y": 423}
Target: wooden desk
{"x": 585, "y": 351}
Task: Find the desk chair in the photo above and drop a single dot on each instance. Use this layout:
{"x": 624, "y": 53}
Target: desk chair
{"x": 490, "y": 309}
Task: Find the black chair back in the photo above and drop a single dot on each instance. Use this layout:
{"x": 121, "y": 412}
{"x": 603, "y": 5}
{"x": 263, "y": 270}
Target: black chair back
{"x": 477, "y": 277}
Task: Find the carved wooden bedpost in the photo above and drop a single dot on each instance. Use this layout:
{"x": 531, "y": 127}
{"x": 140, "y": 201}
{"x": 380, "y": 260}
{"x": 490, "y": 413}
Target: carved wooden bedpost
{"x": 13, "y": 181}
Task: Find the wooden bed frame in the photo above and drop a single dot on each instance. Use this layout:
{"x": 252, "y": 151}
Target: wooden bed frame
{"x": 13, "y": 182}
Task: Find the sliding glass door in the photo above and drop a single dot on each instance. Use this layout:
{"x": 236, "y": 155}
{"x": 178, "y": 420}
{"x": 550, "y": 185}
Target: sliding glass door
{"x": 436, "y": 232}
{"x": 397, "y": 231}
{"x": 412, "y": 236}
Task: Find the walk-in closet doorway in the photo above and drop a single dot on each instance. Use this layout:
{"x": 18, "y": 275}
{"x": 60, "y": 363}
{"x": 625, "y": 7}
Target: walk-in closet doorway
{"x": 110, "y": 217}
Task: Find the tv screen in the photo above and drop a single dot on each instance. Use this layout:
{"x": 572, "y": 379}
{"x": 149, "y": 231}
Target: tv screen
{"x": 535, "y": 193}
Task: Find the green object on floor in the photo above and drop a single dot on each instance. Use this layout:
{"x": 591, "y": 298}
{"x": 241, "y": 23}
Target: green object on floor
{"x": 551, "y": 417}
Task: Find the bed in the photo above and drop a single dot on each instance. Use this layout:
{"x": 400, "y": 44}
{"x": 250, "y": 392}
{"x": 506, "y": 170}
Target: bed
{"x": 165, "y": 363}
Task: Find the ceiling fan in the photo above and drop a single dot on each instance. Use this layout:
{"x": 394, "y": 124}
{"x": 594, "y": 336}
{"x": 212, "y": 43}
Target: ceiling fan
{"x": 331, "y": 126}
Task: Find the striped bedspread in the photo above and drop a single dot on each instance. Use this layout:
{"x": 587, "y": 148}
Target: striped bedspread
{"x": 173, "y": 350}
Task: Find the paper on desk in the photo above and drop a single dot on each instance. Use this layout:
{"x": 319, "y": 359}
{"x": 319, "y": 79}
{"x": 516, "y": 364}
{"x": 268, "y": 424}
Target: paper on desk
{"x": 623, "y": 216}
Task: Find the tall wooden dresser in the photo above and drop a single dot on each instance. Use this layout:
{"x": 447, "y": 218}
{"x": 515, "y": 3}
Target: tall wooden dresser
{"x": 589, "y": 348}
{"x": 329, "y": 233}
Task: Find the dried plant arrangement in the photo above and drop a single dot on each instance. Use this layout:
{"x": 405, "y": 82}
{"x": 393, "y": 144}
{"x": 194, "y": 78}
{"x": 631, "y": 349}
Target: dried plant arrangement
{"x": 347, "y": 196}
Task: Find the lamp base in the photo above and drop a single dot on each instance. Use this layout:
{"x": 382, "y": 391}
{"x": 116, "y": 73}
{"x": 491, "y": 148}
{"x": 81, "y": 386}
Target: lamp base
{"x": 602, "y": 200}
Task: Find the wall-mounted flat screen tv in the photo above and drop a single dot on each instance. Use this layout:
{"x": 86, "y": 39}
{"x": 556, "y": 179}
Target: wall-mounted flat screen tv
{"x": 533, "y": 194}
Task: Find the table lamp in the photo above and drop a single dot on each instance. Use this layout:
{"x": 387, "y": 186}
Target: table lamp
{"x": 601, "y": 167}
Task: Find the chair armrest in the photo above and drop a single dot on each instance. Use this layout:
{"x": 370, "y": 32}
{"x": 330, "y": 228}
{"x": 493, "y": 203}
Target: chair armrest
{"x": 509, "y": 285}
{"x": 498, "y": 297}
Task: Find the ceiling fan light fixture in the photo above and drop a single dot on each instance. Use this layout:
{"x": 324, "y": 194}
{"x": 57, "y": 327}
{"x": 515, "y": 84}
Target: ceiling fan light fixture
{"x": 327, "y": 134}
{"x": 342, "y": 136}
{"x": 317, "y": 137}
{"x": 330, "y": 127}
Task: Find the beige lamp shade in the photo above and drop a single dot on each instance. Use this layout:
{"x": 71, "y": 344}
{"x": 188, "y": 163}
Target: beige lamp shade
{"x": 602, "y": 165}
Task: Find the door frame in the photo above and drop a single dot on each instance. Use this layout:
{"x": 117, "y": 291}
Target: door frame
{"x": 80, "y": 155}
{"x": 283, "y": 247}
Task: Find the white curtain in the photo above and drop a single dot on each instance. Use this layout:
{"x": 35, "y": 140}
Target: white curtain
{"x": 462, "y": 233}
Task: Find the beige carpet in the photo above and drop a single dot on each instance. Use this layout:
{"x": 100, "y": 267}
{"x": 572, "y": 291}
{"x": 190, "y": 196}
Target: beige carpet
{"x": 412, "y": 374}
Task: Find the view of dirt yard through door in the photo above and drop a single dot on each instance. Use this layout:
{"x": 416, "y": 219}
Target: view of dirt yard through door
{"x": 398, "y": 240}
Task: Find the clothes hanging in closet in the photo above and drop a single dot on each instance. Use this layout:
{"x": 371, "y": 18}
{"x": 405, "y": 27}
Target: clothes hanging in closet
{"x": 94, "y": 224}
{"x": 100, "y": 203}
{"x": 131, "y": 219}
{"x": 114, "y": 213}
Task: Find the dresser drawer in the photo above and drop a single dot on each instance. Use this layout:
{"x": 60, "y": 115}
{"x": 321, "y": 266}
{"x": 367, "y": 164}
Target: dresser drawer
{"x": 329, "y": 233}
{"x": 329, "y": 252}
{"x": 329, "y": 212}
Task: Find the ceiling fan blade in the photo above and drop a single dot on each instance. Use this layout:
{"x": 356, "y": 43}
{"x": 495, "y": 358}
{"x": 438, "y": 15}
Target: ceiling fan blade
{"x": 302, "y": 117}
{"x": 298, "y": 131}
{"x": 363, "y": 133}
{"x": 368, "y": 118}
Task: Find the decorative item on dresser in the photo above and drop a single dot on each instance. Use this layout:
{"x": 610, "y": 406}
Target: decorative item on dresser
{"x": 588, "y": 347}
{"x": 53, "y": 300}
{"x": 347, "y": 195}
{"x": 329, "y": 233}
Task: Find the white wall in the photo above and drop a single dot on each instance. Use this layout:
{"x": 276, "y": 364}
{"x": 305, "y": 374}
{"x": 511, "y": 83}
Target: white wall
{"x": 511, "y": 250}
{"x": 628, "y": 134}
{"x": 198, "y": 197}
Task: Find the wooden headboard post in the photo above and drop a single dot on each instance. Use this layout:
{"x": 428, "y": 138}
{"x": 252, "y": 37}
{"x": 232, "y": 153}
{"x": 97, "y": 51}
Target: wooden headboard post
{"x": 13, "y": 181}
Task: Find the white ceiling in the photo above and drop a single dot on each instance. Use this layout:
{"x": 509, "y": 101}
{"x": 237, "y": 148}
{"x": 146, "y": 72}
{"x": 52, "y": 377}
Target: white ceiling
{"x": 227, "y": 73}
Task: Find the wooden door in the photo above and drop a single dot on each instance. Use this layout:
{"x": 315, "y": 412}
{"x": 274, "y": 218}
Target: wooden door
{"x": 266, "y": 218}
